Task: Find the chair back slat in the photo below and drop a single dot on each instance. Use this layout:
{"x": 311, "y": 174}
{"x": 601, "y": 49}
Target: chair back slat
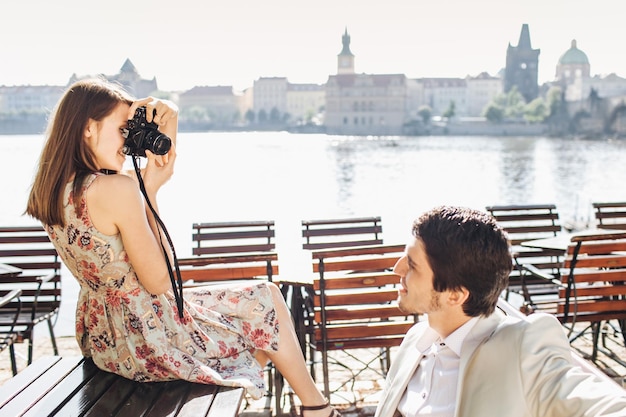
{"x": 594, "y": 287}
{"x": 231, "y": 251}
{"x": 610, "y": 215}
{"x": 525, "y": 222}
{"x": 340, "y": 233}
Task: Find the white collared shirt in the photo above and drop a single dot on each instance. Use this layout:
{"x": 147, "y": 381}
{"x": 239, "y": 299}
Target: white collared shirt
{"x": 432, "y": 389}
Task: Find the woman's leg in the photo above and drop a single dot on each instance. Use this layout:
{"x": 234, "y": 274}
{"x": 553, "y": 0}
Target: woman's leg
{"x": 289, "y": 359}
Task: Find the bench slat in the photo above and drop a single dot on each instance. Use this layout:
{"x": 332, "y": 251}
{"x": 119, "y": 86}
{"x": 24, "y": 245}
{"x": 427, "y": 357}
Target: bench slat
{"x": 74, "y": 386}
{"x": 36, "y": 389}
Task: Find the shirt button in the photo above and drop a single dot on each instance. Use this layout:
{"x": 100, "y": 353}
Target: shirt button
{"x": 423, "y": 395}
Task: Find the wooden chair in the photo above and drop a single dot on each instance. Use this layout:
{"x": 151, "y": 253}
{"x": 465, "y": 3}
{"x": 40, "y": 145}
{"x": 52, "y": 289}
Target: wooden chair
{"x": 353, "y": 297}
{"x": 8, "y": 335}
{"x": 610, "y": 215}
{"x": 29, "y": 249}
{"x": 531, "y": 265}
{"x": 231, "y": 251}
{"x": 340, "y": 233}
{"x": 239, "y": 250}
{"x": 593, "y": 286}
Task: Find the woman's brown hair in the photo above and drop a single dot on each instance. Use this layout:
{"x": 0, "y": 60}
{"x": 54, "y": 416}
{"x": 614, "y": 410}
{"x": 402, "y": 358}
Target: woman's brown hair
{"x": 65, "y": 153}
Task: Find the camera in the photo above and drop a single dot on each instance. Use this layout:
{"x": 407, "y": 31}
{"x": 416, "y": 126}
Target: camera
{"x": 142, "y": 135}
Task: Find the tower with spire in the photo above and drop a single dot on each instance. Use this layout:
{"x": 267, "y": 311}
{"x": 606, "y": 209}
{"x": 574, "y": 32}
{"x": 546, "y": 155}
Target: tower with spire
{"x": 345, "y": 59}
{"x": 522, "y": 67}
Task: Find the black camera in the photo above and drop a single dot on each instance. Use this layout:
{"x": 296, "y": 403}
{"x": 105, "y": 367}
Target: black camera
{"x": 142, "y": 135}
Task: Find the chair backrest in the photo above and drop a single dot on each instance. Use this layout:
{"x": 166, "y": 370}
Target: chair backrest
{"x": 354, "y": 298}
{"x": 29, "y": 249}
{"x": 594, "y": 281}
{"x": 231, "y": 251}
{"x": 341, "y": 233}
{"x": 610, "y": 215}
{"x": 527, "y": 222}
{"x": 233, "y": 237}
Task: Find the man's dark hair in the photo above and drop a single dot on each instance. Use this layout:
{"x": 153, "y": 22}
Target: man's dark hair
{"x": 466, "y": 248}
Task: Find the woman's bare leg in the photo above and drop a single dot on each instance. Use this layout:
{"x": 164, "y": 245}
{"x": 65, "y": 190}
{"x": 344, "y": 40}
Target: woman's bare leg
{"x": 289, "y": 359}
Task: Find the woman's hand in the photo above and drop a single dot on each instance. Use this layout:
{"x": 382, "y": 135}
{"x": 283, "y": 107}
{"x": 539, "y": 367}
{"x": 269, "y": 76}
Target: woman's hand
{"x": 158, "y": 170}
{"x": 164, "y": 114}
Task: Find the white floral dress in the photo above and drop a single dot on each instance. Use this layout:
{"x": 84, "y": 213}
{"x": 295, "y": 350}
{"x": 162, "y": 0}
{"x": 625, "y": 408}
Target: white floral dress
{"x": 128, "y": 331}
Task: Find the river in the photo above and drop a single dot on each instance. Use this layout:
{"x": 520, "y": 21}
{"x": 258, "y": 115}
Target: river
{"x": 289, "y": 177}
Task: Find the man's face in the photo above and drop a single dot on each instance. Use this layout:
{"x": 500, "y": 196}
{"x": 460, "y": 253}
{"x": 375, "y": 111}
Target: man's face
{"x": 416, "y": 294}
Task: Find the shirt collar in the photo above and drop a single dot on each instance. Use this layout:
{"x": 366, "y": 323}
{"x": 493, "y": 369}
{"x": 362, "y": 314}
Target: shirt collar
{"x": 454, "y": 341}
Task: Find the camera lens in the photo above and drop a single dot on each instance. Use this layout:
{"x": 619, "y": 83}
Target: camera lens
{"x": 159, "y": 145}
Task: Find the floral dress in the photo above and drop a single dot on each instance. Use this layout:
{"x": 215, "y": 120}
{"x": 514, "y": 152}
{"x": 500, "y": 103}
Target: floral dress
{"x": 128, "y": 331}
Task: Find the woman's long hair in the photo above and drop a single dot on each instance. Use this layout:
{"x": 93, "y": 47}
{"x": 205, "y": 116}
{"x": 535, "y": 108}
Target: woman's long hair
{"x": 65, "y": 153}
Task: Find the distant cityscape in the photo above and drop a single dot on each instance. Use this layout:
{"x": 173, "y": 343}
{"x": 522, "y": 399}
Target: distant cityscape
{"x": 508, "y": 103}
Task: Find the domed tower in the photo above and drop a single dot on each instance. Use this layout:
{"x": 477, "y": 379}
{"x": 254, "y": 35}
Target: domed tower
{"x": 345, "y": 59}
{"x": 573, "y": 64}
{"x": 522, "y": 67}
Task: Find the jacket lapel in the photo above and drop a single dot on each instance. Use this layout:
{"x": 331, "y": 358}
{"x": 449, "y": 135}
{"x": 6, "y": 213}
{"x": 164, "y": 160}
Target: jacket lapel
{"x": 482, "y": 331}
{"x": 403, "y": 368}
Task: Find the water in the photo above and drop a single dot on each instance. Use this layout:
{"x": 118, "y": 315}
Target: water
{"x": 290, "y": 177}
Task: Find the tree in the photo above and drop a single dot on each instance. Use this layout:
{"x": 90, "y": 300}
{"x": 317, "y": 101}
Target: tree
{"x": 536, "y": 111}
{"x": 515, "y": 104}
{"x": 493, "y": 113}
{"x": 274, "y": 115}
{"x": 425, "y": 113}
{"x": 450, "y": 111}
{"x": 250, "y": 116}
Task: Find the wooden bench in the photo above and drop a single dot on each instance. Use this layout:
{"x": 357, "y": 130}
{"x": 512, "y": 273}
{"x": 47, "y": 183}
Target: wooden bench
{"x": 226, "y": 251}
{"x": 610, "y": 215}
{"x": 29, "y": 249}
{"x": 74, "y": 386}
{"x": 340, "y": 233}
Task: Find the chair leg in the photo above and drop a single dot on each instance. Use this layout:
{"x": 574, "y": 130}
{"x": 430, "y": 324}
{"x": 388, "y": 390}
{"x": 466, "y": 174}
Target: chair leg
{"x": 52, "y": 338}
{"x": 595, "y": 328}
{"x": 30, "y": 348}
{"x": 325, "y": 372}
{"x": 13, "y": 360}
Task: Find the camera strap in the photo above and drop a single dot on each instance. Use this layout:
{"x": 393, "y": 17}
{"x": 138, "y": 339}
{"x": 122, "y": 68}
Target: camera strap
{"x": 177, "y": 283}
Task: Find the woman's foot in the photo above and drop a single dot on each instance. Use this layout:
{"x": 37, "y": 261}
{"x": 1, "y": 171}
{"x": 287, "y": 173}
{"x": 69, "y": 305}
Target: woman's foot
{"x": 324, "y": 410}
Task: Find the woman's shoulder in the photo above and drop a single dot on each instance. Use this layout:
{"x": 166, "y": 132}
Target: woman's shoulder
{"x": 117, "y": 183}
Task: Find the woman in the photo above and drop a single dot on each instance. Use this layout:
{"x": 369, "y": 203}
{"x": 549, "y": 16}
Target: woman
{"x": 127, "y": 316}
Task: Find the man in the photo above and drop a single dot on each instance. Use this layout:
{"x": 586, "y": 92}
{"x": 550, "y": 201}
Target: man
{"x": 467, "y": 358}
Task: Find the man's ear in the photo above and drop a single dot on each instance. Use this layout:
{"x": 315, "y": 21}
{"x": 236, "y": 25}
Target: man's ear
{"x": 458, "y": 297}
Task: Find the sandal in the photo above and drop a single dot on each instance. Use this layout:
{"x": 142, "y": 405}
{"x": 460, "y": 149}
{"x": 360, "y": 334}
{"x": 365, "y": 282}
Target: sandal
{"x": 333, "y": 411}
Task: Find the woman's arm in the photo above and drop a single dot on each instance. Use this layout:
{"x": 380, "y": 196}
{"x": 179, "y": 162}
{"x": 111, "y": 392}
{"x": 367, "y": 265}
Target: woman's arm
{"x": 116, "y": 205}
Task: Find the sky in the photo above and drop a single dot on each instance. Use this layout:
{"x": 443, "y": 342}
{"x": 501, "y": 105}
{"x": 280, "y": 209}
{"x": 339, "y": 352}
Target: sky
{"x": 187, "y": 43}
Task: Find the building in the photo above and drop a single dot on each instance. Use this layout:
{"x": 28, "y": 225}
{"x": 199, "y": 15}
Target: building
{"x": 481, "y": 90}
{"x": 364, "y": 104}
{"x": 305, "y": 102}
{"x": 270, "y": 99}
{"x": 442, "y": 94}
{"x": 215, "y": 106}
{"x": 133, "y": 83}
{"x": 522, "y": 67}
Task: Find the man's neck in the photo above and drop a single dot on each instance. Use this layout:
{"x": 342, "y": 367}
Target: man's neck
{"x": 445, "y": 323}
